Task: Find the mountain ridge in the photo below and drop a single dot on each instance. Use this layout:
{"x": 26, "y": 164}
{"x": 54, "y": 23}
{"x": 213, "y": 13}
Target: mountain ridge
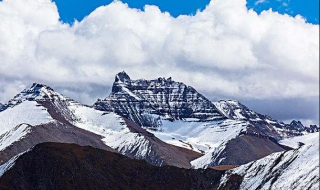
{"x": 207, "y": 135}
{"x": 61, "y": 115}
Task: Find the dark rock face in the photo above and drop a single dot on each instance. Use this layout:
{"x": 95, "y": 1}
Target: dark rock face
{"x": 143, "y": 100}
{"x": 314, "y": 128}
{"x": 297, "y": 125}
{"x": 70, "y": 166}
{"x": 1, "y": 107}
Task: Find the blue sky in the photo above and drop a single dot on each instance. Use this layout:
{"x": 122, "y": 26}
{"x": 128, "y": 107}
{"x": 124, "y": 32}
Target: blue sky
{"x": 77, "y": 9}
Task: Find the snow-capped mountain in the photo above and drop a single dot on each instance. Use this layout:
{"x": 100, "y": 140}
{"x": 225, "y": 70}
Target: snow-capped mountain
{"x": 161, "y": 121}
{"x": 166, "y": 123}
{"x": 144, "y": 101}
{"x": 278, "y": 130}
{"x": 36, "y": 115}
{"x": 179, "y": 115}
{"x": 39, "y": 114}
{"x": 293, "y": 169}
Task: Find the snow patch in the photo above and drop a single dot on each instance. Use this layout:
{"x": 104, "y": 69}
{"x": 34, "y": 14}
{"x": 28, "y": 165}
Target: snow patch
{"x": 6, "y": 166}
{"x": 14, "y": 135}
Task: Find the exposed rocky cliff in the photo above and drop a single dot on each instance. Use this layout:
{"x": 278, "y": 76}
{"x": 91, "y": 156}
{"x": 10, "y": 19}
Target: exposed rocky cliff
{"x": 144, "y": 101}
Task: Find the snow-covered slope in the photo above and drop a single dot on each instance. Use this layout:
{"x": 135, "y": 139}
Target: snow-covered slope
{"x": 293, "y": 169}
{"x": 199, "y": 136}
{"x": 15, "y": 121}
{"x": 29, "y": 112}
{"x": 296, "y": 142}
{"x": 219, "y": 141}
{"x": 112, "y": 128}
{"x": 13, "y": 135}
{"x": 34, "y": 116}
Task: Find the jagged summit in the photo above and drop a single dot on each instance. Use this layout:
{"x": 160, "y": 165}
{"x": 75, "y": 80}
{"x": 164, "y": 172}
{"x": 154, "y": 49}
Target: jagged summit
{"x": 297, "y": 125}
{"x": 36, "y": 92}
{"x": 122, "y": 77}
{"x": 38, "y": 89}
{"x": 143, "y": 101}
{"x": 237, "y": 111}
{"x": 38, "y": 86}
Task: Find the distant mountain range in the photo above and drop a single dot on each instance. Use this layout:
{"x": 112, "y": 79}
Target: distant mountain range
{"x": 160, "y": 121}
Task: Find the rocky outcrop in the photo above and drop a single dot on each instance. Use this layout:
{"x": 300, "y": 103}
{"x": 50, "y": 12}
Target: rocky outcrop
{"x": 2, "y": 107}
{"x": 144, "y": 101}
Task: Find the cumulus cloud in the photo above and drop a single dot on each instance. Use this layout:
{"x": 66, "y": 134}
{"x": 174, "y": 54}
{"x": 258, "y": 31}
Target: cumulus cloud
{"x": 225, "y": 51}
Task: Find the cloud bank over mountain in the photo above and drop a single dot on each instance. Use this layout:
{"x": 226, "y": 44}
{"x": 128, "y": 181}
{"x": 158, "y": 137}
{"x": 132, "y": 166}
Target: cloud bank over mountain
{"x": 225, "y": 51}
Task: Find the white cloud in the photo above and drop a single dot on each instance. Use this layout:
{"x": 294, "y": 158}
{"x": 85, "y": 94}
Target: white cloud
{"x": 225, "y": 50}
{"x": 259, "y": 2}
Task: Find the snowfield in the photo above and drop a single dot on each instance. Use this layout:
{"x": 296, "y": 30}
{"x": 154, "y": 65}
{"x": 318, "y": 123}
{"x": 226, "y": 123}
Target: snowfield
{"x": 29, "y": 112}
{"x": 15, "y": 122}
{"x": 295, "y": 141}
{"x": 208, "y": 138}
{"x": 199, "y": 136}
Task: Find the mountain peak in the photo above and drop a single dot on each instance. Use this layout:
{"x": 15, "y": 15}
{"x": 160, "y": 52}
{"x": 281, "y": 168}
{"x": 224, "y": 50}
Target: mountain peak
{"x": 37, "y": 91}
{"x": 297, "y": 125}
{"x": 122, "y": 77}
{"x": 159, "y": 97}
{"x": 39, "y": 87}
{"x": 294, "y": 122}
